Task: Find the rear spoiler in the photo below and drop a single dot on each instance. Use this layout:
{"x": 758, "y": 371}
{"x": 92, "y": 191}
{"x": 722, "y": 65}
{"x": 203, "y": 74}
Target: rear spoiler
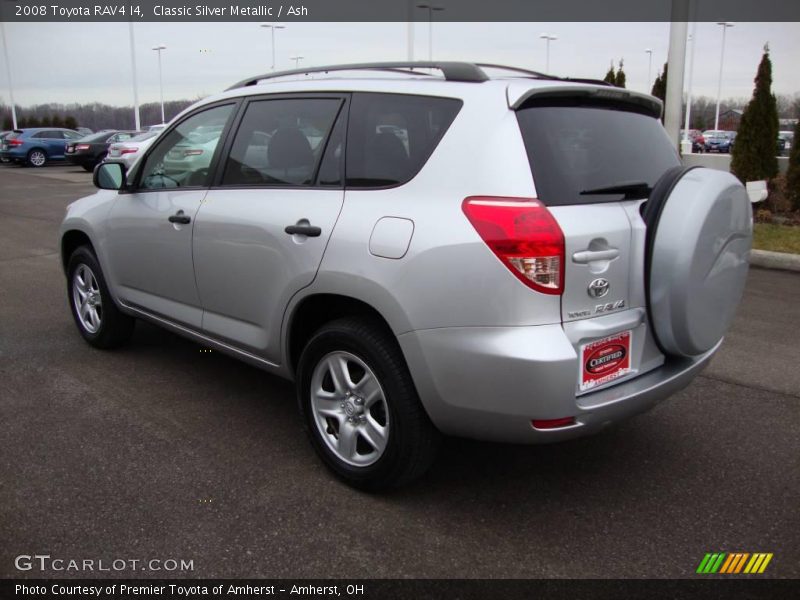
{"x": 621, "y": 97}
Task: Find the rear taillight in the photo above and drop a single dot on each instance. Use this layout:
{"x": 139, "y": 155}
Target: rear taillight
{"x": 193, "y": 152}
{"x": 15, "y": 142}
{"x": 82, "y": 147}
{"x": 524, "y": 236}
{"x": 128, "y": 151}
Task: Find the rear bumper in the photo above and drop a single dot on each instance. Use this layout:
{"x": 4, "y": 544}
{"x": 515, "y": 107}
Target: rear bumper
{"x": 488, "y": 383}
{"x": 80, "y": 159}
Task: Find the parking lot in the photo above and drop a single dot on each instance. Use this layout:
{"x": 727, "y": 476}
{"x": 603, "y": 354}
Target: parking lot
{"x": 163, "y": 451}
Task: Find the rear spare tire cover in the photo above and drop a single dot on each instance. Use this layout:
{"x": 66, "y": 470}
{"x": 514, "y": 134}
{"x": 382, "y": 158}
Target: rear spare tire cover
{"x": 698, "y": 254}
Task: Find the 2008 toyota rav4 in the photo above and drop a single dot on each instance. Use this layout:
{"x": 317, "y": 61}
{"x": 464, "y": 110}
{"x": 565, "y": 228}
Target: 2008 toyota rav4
{"x": 516, "y": 258}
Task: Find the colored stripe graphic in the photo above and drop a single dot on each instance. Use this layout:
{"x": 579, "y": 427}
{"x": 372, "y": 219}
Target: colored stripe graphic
{"x": 734, "y": 562}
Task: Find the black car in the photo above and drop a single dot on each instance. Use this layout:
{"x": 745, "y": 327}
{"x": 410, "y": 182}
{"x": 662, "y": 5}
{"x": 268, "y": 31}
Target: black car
{"x": 89, "y": 151}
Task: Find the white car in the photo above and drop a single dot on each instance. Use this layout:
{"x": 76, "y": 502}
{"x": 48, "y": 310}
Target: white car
{"x": 129, "y": 150}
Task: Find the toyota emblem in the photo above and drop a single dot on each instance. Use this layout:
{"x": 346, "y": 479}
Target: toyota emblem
{"x": 599, "y": 288}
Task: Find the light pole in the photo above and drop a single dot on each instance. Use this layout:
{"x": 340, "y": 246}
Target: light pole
{"x": 687, "y": 122}
{"x": 547, "y": 39}
{"x": 158, "y": 49}
{"x": 296, "y": 60}
{"x": 273, "y": 28}
{"x": 724, "y": 26}
{"x": 431, "y": 8}
{"x": 136, "y": 118}
{"x": 649, "y": 53}
{"x": 8, "y": 75}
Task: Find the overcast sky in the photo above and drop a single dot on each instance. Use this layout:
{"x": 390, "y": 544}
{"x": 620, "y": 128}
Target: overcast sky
{"x": 84, "y": 62}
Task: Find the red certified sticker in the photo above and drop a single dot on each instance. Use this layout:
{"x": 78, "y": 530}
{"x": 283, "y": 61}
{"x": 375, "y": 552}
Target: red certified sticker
{"x": 605, "y": 360}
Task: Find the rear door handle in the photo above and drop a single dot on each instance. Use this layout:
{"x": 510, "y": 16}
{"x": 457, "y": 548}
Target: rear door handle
{"x": 307, "y": 230}
{"x": 180, "y": 217}
{"x": 586, "y": 256}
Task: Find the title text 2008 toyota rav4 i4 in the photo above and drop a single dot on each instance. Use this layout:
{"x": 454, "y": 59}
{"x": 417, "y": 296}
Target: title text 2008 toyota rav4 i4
{"x": 518, "y": 258}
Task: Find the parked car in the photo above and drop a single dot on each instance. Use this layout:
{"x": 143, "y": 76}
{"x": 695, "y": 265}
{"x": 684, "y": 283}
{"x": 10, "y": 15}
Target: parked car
{"x": 3, "y": 135}
{"x": 129, "y": 150}
{"x": 563, "y": 274}
{"x": 718, "y": 140}
{"x": 788, "y": 140}
{"x": 84, "y": 131}
{"x": 698, "y": 142}
{"x": 194, "y": 153}
{"x": 91, "y": 150}
{"x": 36, "y": 146}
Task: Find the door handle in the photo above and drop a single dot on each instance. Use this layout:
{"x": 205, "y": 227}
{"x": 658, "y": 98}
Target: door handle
{"x": 180, "y": 217}
{"x": 587, "y": 256}
{"x": 307, "y": 230}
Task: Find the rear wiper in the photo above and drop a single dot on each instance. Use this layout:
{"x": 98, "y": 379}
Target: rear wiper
{"x": 633, "y": 190}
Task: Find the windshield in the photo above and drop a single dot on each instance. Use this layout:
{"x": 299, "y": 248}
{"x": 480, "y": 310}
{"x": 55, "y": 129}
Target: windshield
{"x": 576, "y": 148}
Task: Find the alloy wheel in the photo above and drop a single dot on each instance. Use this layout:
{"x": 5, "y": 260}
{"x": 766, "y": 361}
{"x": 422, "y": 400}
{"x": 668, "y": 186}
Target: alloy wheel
{"x": 349, "y": 408}
{"x": 87, "y": 298}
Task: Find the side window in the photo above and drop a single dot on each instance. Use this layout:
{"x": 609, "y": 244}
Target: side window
{"x": 183, "y": 157}
{"x": 54, "y": 134}
{"x": 331, "y": 170}
{"x": 279, "y": 142}
{"x": 72, "y": 135}
{"x": 40, "y": 135}
{"x": 391, "y": 136}
{"x": 121, "y": 137}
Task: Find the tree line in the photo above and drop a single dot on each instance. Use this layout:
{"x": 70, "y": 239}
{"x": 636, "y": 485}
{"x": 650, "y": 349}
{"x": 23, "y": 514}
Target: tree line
{"x": 95, "y": 116}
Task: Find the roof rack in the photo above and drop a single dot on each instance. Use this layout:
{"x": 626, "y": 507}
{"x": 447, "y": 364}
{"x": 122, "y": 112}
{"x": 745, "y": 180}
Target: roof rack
{"x": 534, "y": 74}
{"x": 452, "y": 71}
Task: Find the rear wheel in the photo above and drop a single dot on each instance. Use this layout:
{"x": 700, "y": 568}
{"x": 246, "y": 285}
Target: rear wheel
{"x": 36, "y": 158}
{"x": 98, "y": 319}
{"x": 360, "y": 407}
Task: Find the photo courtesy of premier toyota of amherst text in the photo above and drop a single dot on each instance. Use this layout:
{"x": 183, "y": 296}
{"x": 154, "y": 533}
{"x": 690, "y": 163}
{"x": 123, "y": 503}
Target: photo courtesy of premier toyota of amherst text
{"x": 399, "y": 299}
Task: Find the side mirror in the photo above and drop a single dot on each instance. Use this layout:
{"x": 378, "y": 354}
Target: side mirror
{"x": 109, "y": 176}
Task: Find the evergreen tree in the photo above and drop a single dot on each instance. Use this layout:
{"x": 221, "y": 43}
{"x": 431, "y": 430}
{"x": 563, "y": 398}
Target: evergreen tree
{"x": 755, "y": 148}
{"x": 659, "y": 89}
{"x": 70, "y": 122}
{"x": 32, "y": 122}
{"x": 46, "y": 121}
{"x": 611, "y": 77}
{"x": 8, "y": 123}
{"x": 620, "y": 77}
{"x": 56, "y": 121}
{"x": 793, "y": 174}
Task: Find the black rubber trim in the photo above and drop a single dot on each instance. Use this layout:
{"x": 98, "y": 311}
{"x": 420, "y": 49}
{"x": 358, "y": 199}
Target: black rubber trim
{"x": 651, "y": 215}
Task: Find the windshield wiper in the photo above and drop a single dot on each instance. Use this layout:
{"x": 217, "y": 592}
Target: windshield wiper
{"x": 633, "y": 190}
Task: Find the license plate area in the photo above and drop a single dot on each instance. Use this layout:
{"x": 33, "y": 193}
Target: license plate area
{"x": 605, "y": 360}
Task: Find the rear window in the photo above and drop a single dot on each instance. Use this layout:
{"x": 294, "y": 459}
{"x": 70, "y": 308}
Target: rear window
{"x": 97, "y": 137}
{"x": 391, "y": 136}
{"x": 576, "y": 148}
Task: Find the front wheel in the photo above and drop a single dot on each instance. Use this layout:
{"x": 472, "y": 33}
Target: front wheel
{"x": 360, "y": 407}
{"x": 98, "y": 319}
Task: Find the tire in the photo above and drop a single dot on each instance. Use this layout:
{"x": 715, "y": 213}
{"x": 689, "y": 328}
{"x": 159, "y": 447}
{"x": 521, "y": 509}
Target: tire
{"x": 36, "y": 158}
{"x": 99, "y": 321}
{"x": 89, "y": 168}
{"x": 389, "y": 405}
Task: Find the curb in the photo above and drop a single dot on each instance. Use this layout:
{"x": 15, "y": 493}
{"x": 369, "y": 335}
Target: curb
{"x": 775, "y": 260}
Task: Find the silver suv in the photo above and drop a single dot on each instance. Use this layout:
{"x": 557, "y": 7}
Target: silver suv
{"x": 519, "y": 258}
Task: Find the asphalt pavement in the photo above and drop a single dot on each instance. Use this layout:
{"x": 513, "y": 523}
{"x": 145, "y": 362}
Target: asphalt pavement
{"x": 163, "y": 451}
